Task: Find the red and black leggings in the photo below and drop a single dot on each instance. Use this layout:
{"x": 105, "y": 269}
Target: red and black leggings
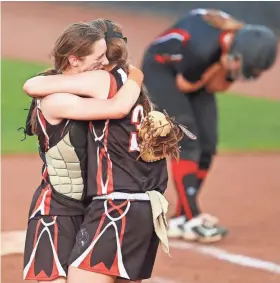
{"x": 188, "y": 177}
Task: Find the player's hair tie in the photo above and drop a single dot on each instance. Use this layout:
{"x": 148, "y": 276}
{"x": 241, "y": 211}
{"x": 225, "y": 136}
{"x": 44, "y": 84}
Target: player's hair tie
{"x": 110, "y": 33}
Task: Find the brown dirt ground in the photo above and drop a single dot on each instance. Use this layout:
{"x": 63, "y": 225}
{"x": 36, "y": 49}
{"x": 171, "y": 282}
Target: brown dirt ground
{"x": 242, "y": 190}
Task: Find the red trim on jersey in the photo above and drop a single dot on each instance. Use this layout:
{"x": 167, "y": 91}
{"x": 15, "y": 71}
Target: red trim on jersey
{"x": 55, "y": 272}
{"x": 39, "y": 200}
{"x": 159, "y": 58}
{"x": 55, "y": 235}
{"x": 43, "y": 125}
{"x": 113, "y": 86}
{"x": 166, "y": 58}
{"x": 47, "y": 204}
{"x": 36, "y": 234}
{"x": 31, "y": 272}
{"x": 90, "y": 126}
{"x": 99, "y": 175}
{"x": 118, "y": 208}
{"x": 45, "y": 173}
{"x": 102, "y": 152}
{"x": 113, "y": 90}
{"x": 110, "y": 187}
{"x": 179, "y": 170}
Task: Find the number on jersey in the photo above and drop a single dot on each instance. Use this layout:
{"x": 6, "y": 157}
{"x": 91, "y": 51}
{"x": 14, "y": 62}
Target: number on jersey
{"x": 136, "y": 117}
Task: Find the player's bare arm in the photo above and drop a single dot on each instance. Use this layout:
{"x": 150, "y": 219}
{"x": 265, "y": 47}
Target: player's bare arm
{"x": 60, "y": 106}
{"x": 89, "y": 84}
{"x": 218, "y": 81}
{"x": 68, "y": 106}
{"x": 81, "y": 84}
{"x": 186, "y": 86}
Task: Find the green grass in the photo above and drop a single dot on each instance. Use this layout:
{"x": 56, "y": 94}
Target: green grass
{"x": 248, "y": 123}
{"x": 13, "y": 101}
{"x": 245, "y": 123}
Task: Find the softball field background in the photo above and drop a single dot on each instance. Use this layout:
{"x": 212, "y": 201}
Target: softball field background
{"x": 242, "y": 190}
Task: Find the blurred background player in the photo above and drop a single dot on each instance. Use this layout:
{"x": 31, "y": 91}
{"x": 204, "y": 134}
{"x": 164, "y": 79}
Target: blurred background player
{"x": 206, "y": 51}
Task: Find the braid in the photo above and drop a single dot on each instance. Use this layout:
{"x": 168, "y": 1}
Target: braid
{"x": 31, "y": 123}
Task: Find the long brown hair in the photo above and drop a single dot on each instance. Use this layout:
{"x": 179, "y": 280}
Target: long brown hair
{"x": 222, "y": 21}
{"x": 77, "y": 40}
{"x": 117, "y": 54}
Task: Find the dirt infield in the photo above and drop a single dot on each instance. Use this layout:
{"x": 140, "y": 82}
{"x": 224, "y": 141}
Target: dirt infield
{"x": 243, "y": 190}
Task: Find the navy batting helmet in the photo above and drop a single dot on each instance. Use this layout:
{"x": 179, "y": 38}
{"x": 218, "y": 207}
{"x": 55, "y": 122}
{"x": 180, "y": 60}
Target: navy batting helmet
{"x": 257, "y": 48}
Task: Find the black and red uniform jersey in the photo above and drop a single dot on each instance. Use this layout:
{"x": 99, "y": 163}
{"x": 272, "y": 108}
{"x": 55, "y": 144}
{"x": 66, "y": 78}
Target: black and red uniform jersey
{"x": 67, "y": 142}
{"x": 190, "y": 46}
{"x": 113, "y": 153}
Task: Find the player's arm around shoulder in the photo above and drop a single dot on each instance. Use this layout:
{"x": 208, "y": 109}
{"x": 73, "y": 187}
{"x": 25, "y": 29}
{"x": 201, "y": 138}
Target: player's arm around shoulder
{"x": 88, "y": 84}
{"x": 60, "y": 106}
{"x": 124, "y": 99}
{"x": 128, "y": 94}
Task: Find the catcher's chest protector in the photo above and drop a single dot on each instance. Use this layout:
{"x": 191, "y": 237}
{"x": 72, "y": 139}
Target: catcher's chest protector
{"x": 113, "y": 152}
{"x": 64, "y": 152}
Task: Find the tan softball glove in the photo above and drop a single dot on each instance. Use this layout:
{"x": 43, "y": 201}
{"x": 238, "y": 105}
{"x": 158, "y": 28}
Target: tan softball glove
{"x": 159, "y": 136}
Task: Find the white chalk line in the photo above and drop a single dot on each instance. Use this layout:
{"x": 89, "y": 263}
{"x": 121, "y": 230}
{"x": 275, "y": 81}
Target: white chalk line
{"x": 224, "y": 255}
{"x": 12, "y": 242}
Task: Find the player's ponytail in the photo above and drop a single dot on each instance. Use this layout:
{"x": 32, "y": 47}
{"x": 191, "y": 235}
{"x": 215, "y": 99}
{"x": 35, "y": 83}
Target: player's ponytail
{"x": 147, "y": 102}
{"x": 31, "y": 123}
{"x": 33, "y": 118}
